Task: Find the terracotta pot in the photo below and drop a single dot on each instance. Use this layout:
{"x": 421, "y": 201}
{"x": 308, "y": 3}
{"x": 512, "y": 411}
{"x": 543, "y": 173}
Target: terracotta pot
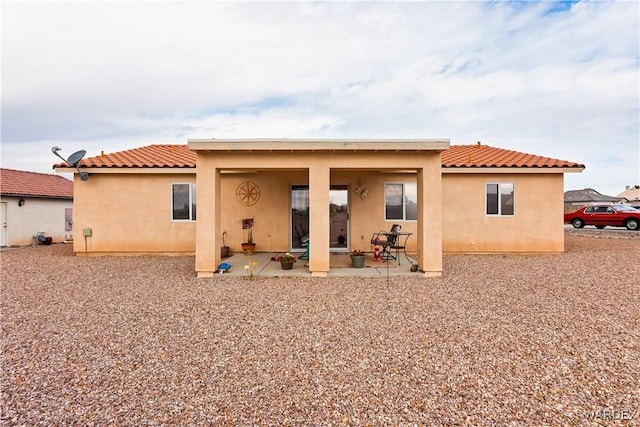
{"x": 248, "y": 248}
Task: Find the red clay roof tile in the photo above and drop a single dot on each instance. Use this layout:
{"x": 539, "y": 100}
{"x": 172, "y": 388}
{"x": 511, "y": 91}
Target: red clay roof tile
{"x": 24, "y": 183}
{"x": 484, "y": 156}
{"x": 151, "y": 156}
{"x": 457, "y": 156}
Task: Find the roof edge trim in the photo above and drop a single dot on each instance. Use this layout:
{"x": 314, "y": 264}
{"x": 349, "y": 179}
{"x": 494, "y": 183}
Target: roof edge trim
{"x": 318, "y": 144}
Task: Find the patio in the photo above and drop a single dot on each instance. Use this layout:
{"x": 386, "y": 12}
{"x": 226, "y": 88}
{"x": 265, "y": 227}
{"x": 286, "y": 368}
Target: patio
{"x": 339, "y": 266}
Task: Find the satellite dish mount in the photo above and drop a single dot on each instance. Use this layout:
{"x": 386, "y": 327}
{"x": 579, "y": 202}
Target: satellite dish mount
{"x": 73, "y": 161}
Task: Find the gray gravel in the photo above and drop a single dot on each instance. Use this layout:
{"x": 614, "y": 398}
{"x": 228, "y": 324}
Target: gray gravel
{"x": 499, "y": 340}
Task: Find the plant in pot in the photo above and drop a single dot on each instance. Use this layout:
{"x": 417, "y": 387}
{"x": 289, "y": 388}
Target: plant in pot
{"x": 357, "y": 259}
{"x": 248, "y": 247}
{"x": 286, "y": 261}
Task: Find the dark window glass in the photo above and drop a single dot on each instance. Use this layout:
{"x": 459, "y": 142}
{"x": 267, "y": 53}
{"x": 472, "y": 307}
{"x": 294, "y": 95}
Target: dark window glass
{"x": 492, "y": 199}
{"x": 181, "y": 202}
{"x": 506, "y": 199}
{"x": 411, "y": 201}
{"x": 393, "y": 201}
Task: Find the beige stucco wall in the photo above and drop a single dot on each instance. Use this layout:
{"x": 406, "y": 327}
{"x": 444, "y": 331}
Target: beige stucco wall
{"x": 130, "y": 213}
{"x": 271, "y": 231}
{"x": 127, "y": 220}
{"x": 36, "y": 215}
{"x": 536, "y": 226}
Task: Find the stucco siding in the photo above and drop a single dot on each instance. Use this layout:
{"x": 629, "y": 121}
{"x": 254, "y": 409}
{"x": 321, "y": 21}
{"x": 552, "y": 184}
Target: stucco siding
{"x": 130, "y": 213}
{"x": 36, "y": 215}
{"x": 271, "y": 213}
{"x": 535, "y": 226}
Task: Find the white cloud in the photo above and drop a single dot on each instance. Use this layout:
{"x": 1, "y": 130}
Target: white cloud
{"x": 534, "y": 77}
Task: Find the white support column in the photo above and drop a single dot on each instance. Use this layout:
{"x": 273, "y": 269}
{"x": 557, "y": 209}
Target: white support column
{"x": 429, "y": 180}
{"x": 319, "y": 184}
{"x": 208, "y": 226}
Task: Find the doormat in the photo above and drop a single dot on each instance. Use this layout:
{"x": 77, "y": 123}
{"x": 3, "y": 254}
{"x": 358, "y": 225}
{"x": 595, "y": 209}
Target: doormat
{"x": 344, "y": 261}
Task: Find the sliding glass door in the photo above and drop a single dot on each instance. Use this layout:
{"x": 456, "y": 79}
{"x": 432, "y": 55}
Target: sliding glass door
{"x": 338, "y": 217}
{"x": 299, "y": 215}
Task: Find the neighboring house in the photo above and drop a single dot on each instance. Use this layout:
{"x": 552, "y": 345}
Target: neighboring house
{"x": 575, "y": 199}
{"x": 32, "y": 203}
{"x": 631, "y": 195}
{"x": 468, "y": 198}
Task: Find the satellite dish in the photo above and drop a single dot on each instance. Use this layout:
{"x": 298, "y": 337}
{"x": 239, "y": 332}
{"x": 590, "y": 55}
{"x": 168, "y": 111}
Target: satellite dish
{"x": 76, "y": 157}
{"x": 73, "y": 160}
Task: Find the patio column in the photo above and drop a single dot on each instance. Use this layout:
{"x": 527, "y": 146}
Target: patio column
{"x": 319, "y": 182}
{"x": 208, "y": 235}
{"x": 429, "y": 180}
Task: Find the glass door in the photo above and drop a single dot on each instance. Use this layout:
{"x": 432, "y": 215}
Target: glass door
{"x": 339, "y": 218}
{"x": 299, "y": 216}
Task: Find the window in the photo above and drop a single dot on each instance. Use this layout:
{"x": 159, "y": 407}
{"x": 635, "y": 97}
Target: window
{"x": 183, "y": 201}
{"x": 500, "y": 199}
{"x": 68, "y": 219}
{"x": 401, "y": 201}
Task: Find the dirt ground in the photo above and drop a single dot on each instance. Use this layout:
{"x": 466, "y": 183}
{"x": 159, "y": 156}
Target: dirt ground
{"x": 498, "y": 340}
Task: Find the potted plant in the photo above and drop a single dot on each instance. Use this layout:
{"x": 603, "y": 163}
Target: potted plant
{"x": 248, "y": 247}
{"x": 286, "y": 261}
{"x": 357, "y": 259}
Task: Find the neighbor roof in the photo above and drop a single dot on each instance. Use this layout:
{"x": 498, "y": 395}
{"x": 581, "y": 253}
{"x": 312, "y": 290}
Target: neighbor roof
{"x": 632, "y": 193}
{"x": 588, "y": 195}
{"x": 33, "y": 184}
{"x": 457, "y": 156}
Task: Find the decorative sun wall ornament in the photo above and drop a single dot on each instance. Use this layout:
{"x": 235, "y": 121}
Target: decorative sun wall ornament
{"x": 248, "y": 193}
{"x": 362, "y": 190}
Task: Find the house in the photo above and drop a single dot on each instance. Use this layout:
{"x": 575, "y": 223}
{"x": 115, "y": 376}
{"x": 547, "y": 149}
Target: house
{"x": 181, "y": 199}
{"x": 32, "y": 203}
{"x": 575, "y": 199}
{"x": 631, "y": 195}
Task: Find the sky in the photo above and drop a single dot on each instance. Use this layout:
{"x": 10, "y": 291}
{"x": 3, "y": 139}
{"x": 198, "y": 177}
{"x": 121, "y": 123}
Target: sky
{"x": 556, "y": 79}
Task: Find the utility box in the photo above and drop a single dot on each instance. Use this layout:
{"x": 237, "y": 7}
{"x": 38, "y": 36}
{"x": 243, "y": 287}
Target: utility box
{"x": 86, "y": 232}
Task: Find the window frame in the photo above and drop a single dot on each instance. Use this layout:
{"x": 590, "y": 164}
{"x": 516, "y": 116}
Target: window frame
{"x": 499, "y": 203}
{"x": 403, "y": 197}
{"x": 192, "y": 202}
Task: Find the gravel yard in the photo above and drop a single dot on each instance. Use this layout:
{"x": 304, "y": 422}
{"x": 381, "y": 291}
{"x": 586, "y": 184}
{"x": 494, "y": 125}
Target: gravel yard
{"x": 498, "y": 340}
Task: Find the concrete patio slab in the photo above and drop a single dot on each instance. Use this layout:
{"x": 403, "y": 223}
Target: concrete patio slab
{"x": 267, "y": 268}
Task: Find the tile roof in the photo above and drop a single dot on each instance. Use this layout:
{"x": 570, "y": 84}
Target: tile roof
{"x": 457, "y": 156}
{"x": 150, "y": 156}
{"x": 484, "y": 156}
{"x": 588, "y": 195}
{"x": 23, "y": 183}
{"x": 631, "y": 194}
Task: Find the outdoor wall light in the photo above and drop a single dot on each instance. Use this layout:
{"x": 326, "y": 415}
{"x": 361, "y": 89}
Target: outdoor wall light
{"x": 21, "y": 201}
